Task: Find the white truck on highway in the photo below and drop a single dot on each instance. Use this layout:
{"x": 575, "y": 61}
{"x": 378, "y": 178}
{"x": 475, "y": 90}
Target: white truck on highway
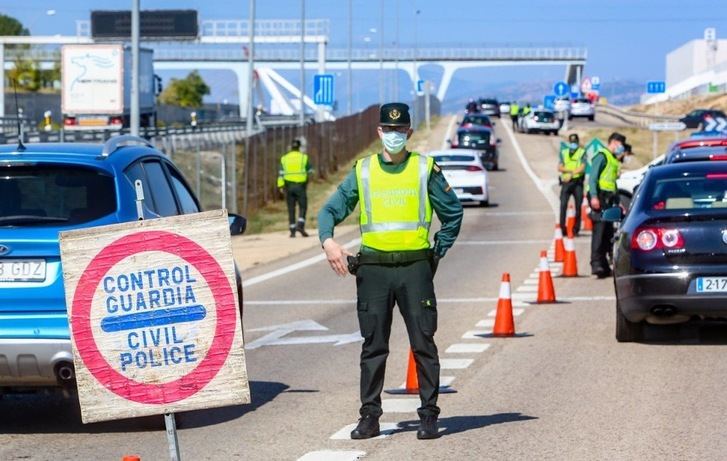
{"x": 96, "y": 87}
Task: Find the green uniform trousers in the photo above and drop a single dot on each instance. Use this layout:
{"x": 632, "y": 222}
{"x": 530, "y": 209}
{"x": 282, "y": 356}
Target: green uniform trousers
{"x": 411, "y": 287}
{"x": 296, "y": 193}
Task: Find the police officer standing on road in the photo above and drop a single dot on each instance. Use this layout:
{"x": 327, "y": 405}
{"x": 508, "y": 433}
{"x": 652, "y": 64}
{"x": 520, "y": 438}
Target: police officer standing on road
{"x": 571, "y": 166}
{"x": 397, "y": 191}
{"x": 605, "y": 168}
{"x": 293, "y": 180}
{"x": 514, "y": 111}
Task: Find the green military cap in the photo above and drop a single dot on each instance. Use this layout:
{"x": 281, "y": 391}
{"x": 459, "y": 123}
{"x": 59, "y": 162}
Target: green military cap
{"x": 394, "y": 114}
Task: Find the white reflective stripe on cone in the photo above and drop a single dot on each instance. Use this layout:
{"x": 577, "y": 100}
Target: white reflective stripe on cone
{"x": 569, "y": 246}
{"x": 558, "y": 233}
{"x": 544, "y": 266}
{"x": 505, "y": 290}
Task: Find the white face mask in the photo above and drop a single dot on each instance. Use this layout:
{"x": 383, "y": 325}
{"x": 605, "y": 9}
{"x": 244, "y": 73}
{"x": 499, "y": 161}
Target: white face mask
{"x": 394, "y": 141}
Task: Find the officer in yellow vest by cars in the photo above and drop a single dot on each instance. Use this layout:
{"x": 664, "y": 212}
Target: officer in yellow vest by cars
{"x": 397, "y": 191}
{"x": 572, "y": 167}
{"x": 605, "y": 168}
{"x": 514, "y": 111}
{"x": 293, "y": 181}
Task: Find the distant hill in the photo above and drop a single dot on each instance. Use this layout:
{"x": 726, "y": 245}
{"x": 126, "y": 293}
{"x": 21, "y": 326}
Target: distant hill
{"x": 620, "y": 92}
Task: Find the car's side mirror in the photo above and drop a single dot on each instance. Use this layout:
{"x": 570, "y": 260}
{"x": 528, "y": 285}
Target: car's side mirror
{"x": 237, "y": 224}
{"x": 498, "y": 140}
{"x": 613, "y": 214}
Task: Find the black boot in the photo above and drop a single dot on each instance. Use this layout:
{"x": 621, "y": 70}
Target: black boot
{"x": 428, "y": 428}
{"x": 292, "y": 231}
{"x": 301, "y": 228}
{"x": 368, "y": 427}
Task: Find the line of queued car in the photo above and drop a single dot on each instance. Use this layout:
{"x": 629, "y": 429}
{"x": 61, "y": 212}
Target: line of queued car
{"x": 670, "y": 250}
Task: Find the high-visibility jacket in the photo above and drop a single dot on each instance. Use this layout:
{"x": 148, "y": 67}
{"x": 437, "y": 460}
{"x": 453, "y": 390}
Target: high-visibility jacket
{"x": 293, "y": 168}
{"x": 395, "y": 208}
{"x": 526, "y": 110}
{"x": 514, "y": 109}
{"x": 609, "y": 174}
{"x": 571, "y": 162}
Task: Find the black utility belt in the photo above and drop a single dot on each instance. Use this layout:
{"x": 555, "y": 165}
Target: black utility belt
{"x": 395, "y": 257}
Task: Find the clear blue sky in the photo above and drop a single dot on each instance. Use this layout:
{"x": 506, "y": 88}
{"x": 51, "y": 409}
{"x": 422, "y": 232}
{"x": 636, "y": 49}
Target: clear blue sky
{"x": 626, "y": 39}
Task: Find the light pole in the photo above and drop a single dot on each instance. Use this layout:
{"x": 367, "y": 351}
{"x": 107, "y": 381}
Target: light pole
{"x": 302, "y": 65}
{"x": 381, "y": 54}
{"x": 396, "y": 57}
{"x": 248, "y": 116}
{"x": 350, "y": 44}
{"x": 134, "y": 122}
{"x": 416, "y": 74}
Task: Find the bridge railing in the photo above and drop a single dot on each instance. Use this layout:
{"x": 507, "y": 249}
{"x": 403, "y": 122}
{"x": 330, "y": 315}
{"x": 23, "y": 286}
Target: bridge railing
{"x": 241, "y": 27}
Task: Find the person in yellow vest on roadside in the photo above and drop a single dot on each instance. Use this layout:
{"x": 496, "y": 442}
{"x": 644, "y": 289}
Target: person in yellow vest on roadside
{"x": 293, "y": 182}
{"x": 603, "y": 194}
{"x": 514, "y": 112}
{"x": 572, "y": 167}
{"x": 398, "y": 192}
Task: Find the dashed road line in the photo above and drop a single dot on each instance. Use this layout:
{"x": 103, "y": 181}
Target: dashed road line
{"x": 499, "y": 242}
{"x": 333, "y": 455}
{"x": 454, "y": 364}
{"x": 486, "y": 323}
{"x": 515, "y": 312}
{"x": 466, "y": 348}
{"x": 400, "y": 405}
{"x": 476, "y": 334}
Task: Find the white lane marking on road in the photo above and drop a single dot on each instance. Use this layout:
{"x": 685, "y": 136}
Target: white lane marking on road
{"x": 539, "y": 183}
{"x": 447, "y": 134}
{"x": 530, "y": 281}
{"x": 277, "y": 333}
{"x": 444, "y": 381}
{"x": 527, "y": 289}
{"x": 332, "y": 455}
{"x": 515, "y": 312}
{"x": 499, "y": 242}
{"x": 476, "y": 334}
{"x": 293, "y": 267}
{"x": 466, "y": 348}
{"x": 515, "y": 213}
{"x": 455, "y": 364}
{"x": 400, "y": 405}
{"x": 517, "y": 300}
{"x": 345, "y": 433}
{"x": 486, "y": 323}
{"x": 534, "y": 275}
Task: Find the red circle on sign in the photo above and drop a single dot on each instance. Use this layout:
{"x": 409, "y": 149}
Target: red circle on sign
{"x": 218, "y": 284}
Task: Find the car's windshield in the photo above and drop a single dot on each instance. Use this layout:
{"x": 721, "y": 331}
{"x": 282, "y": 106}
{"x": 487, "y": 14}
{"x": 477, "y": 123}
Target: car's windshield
{"x": 708, "y": 191}
{"x": 476, "y": 120}
{"x": 453, "y": 158}
{"x": 544, "y": 116}
{"x": 46, "y": 195}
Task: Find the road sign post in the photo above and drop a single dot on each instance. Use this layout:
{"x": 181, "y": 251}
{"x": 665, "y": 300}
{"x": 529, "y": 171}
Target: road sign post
{"x": 154, "y": 319}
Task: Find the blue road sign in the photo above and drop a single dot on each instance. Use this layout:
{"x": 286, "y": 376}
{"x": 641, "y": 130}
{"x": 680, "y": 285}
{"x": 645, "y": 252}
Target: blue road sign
{"x": 656, "y": 86}
{"x": 575, "y": 95}
{"x": 560, "y": 89}
{"x": 323, "y": 89}
{"x": 596, "y": 86}
{"x": 549, "y": 102}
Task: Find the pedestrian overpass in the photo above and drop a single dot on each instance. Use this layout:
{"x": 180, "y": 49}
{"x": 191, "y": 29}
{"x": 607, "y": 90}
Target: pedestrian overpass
{"x": 222, "y": 45}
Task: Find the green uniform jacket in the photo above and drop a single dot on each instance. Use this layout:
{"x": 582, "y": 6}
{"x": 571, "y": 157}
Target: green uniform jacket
{"x": 443, "y": 199}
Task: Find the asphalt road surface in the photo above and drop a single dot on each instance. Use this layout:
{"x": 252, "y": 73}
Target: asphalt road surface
{"x": 562, "y": 389}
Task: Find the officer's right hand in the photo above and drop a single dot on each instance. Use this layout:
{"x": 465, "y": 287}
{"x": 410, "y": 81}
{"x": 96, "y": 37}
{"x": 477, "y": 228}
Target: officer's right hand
{"x": 336, "y": 256}
{"x": 595, "y": 204}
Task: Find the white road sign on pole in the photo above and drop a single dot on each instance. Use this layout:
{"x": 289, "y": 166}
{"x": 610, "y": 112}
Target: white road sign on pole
{"x": 154, "y": 318}
{"x": 667, "y": 126}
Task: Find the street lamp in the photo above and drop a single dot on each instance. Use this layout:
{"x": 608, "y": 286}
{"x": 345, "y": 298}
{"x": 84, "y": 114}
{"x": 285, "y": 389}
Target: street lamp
{"x": 416, "y": 73}
{"x": 350, "y": 44}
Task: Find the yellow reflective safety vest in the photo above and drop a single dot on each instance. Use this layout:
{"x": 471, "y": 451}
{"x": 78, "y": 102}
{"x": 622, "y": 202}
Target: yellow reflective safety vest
{"x": 609, "y": 174}
{"x": 514, "y": 109}
{"x": 571, "y": 162}
{"x": 526, "y": 110}
{"x": 293, "y": 168}
{"x": 395, "y": 208}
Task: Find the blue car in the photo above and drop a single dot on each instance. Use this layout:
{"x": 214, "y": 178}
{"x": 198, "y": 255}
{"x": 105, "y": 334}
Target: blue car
{"x": 48, "y": 188}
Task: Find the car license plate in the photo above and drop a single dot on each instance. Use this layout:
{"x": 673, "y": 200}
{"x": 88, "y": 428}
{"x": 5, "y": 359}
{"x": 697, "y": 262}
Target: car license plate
{"x": 22, "y": 270}
{"x": 711, "y": 284}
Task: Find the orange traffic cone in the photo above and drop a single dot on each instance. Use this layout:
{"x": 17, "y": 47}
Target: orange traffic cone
{"x": 546, "y": 292}
{"x": 559, "y": 248}
{"x": 412, "y": 380}
{"x": 131, "y": 458}
{"x": 570, "y": 220}
{"x": 570, "y": 265}
{"x": 586, "y": 222}
{"x": 504, "y": 323}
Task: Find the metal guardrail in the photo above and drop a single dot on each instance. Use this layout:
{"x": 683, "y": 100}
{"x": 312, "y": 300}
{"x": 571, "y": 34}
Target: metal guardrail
{"x": 197, "y": 52}
{"x": 241, "y": 27}
{"x": 635, "y": 118}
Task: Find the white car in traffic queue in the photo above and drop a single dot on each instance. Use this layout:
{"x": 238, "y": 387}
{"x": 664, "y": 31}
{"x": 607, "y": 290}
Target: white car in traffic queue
{"x": 540, "y": 120}
{"x": 582, "y": 107}
{"x": 465, "y": 173}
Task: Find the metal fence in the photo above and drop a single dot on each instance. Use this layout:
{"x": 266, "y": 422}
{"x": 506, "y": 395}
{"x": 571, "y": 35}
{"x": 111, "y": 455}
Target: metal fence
{"x": 329, "y": 145}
